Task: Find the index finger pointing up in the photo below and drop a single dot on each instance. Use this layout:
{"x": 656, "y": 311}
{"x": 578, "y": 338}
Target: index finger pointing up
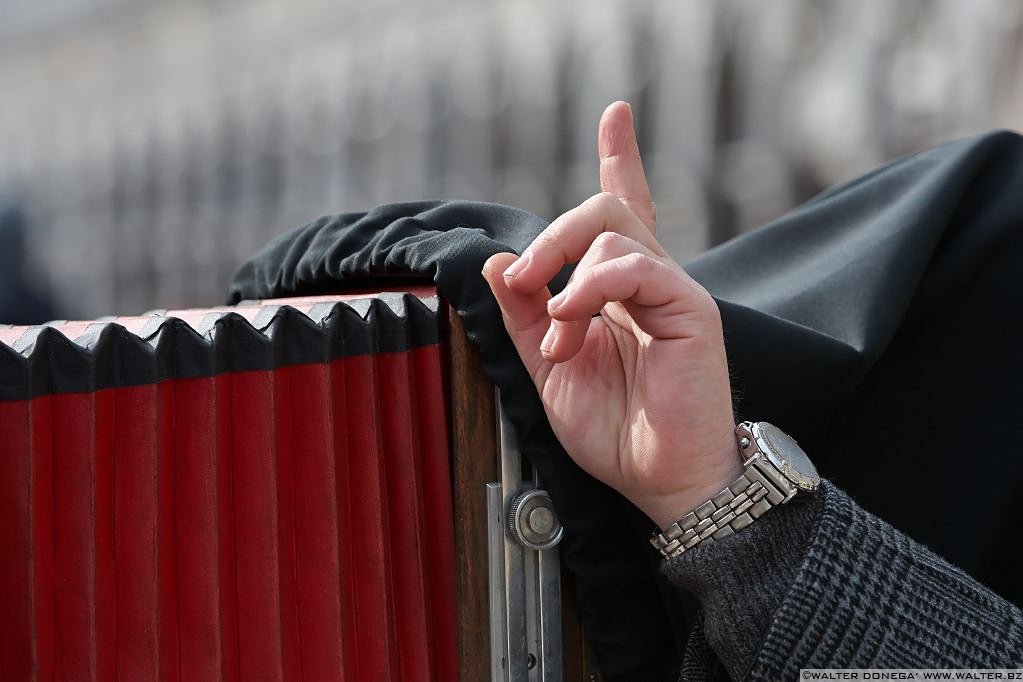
{"x": 621, "y": 169}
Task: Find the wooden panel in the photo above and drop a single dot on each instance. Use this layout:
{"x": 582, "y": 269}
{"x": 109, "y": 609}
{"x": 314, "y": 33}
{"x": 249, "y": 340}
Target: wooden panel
{"x": 474, "y": 455}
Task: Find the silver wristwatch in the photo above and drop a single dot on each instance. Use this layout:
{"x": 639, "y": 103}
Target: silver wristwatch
{"x": 775, "y": 468}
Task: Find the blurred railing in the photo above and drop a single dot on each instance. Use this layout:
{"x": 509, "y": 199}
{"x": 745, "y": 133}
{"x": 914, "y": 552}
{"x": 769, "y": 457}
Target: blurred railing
{"x": 157, "y": 147}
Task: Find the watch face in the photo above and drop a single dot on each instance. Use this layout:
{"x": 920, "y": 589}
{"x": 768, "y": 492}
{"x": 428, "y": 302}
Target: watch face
{"x": 796, "y": 466}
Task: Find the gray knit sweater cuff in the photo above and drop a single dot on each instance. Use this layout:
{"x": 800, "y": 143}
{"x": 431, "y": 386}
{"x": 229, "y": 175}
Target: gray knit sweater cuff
{"x": 821, "y": 583}
{"x": 740, "y": 581}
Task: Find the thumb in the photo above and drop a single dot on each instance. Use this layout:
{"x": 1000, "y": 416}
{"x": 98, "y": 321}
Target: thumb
{"x": 525, "y": 316}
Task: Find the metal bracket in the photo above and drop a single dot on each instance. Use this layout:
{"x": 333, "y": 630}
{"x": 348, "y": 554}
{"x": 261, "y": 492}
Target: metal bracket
{"x": 525, "y": 572}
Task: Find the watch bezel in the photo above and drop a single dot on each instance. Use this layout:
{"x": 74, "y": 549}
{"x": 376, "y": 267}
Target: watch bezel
{"x": 804, "y": 480}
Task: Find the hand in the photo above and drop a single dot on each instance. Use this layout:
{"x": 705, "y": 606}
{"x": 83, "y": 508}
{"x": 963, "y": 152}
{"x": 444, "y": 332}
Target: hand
{"x": 638, "y": 395}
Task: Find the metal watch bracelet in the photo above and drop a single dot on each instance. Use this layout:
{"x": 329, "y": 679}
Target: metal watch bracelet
{"x": 760, "y": 487}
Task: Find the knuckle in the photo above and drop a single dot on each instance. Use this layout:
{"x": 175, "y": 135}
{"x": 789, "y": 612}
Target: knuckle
{"x": 545, "y": 238}
{"x": 586, "y": 282}
{"x": 639, "y": 263}
{"x": 604, "y": 201}
{"x": 546, "y": 241}
{"x": 608, "y": 241}
{"x": 699, "y": 290}
{"x": 706, "y": 303}
{"x": 592, "y": 283}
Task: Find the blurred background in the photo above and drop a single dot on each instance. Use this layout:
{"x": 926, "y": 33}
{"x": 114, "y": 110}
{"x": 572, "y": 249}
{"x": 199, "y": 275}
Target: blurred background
{"x": 148, "y": 148}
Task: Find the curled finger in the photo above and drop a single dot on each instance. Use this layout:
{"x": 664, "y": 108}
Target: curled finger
{"x": 662, "y": 300}
{"x": 569, "y": 237}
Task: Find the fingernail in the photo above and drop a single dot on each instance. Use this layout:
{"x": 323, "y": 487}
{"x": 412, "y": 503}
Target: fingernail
{"x": 518, "y": 266}
{"x": 555, "y": 302}
{"x": 548, "y": 340}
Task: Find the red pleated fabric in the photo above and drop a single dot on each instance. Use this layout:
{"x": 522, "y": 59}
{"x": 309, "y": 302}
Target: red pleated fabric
{"x": 78, "y": 591}
{"x": 42, "y": 517}
{"x": 367, "y": 525}
{"x": 286, "y": 524}
{"x": 17, "y": 626}
{"x": 202, "y": 532}
{"x": 435, "y": 477}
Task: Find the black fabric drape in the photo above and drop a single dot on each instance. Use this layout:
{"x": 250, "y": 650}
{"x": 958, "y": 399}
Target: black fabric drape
{"x": 879, "y": 324}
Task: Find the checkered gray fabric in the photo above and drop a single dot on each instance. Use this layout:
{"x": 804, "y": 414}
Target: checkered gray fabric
{"x": 822, "y": 583}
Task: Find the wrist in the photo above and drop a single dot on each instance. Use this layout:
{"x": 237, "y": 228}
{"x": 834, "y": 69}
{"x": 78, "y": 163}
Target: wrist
{"x": 666, "y": 509}
{"x": 775, "y": 468}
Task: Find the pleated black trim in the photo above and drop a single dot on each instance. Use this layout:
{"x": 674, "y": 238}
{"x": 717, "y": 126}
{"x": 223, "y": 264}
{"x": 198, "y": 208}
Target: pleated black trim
{"x": 43, "y": 361}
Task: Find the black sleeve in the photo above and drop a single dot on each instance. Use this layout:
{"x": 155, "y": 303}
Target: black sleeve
{"x": 821, "y": 583}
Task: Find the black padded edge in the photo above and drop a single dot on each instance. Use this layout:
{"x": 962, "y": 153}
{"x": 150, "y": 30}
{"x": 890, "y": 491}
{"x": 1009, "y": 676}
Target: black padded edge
{"x": 44, "y": 362}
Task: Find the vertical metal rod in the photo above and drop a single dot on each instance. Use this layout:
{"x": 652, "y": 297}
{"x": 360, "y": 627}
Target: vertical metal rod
{"x": 531, "y": 601}
{"x": 550, "y": 615}
{"x": 495, "y": 558}
{"x": 549, "y": 604}
{"x": 514, "y": 559}
{"x": 525, "y": 583}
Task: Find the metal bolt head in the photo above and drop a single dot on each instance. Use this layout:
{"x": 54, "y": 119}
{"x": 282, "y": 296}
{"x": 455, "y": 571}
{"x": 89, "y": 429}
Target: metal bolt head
{"x": 532, "y": 520}
{"x": 744, "y": 442}
{"x": 541, "y": 520}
